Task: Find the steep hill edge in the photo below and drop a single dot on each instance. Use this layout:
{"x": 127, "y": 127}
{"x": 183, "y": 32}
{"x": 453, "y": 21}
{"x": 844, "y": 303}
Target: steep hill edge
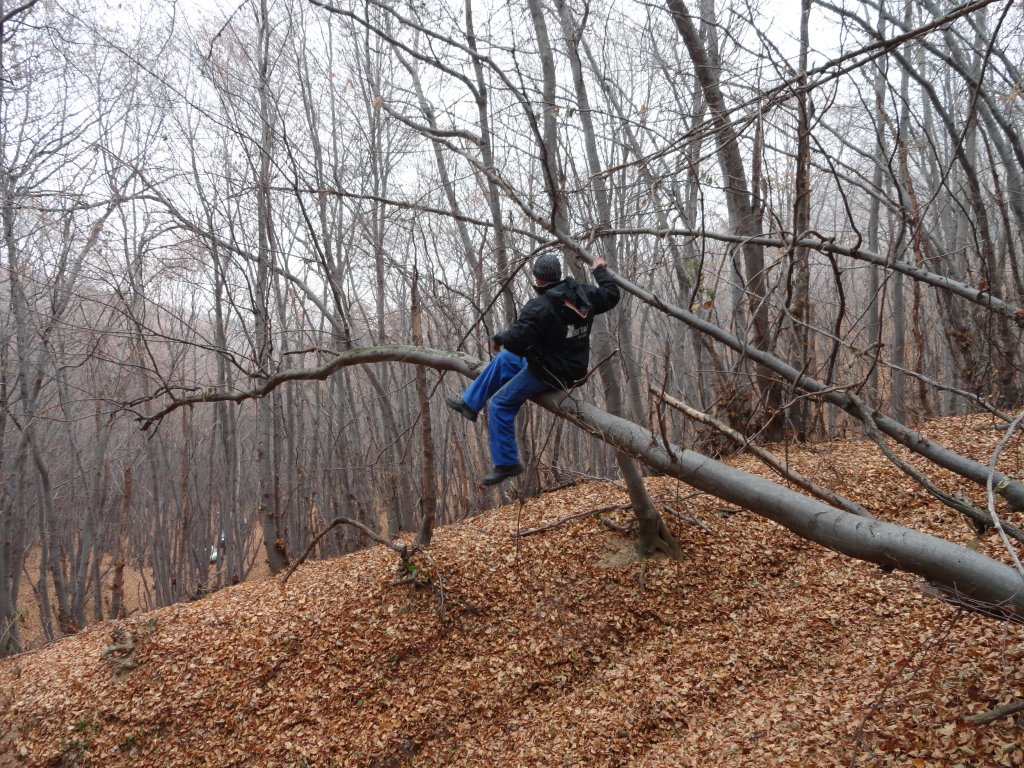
{"x": 555, "y": 649}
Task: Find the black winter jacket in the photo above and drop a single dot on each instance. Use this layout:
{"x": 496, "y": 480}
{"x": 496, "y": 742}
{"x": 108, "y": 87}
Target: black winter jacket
{"x": 553, "y": 330}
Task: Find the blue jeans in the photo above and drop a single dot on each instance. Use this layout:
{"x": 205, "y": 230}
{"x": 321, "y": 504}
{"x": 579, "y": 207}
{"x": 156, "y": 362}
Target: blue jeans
{"x": 507, "y": 383}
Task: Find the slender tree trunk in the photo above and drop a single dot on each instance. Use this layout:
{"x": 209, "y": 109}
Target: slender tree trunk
{"x": 799, "y": 285}
{"x": 743, "y": 217}
{"x": 118, "y": 609}
{"x": 686, "y": 261}
{"x": 53, "y": 562}
{"x": 274, "y": 531}
{"x": 428, "y": 469}
{"x": 875, "y": 292}
{"x": 501, "y": 248}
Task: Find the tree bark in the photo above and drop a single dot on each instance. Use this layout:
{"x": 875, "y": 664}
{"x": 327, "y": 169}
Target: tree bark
{"x": 275, "y": 542}
{"x": 501, "y": 247}
{"x": 117, "y": 604}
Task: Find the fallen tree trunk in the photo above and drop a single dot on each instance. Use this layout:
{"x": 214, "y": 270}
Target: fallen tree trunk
{"x": 958, "y": 571}
{"x": 1008, "y": 487}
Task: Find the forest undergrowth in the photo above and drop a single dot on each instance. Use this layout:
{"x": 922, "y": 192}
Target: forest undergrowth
{"x": 504, "y": 645}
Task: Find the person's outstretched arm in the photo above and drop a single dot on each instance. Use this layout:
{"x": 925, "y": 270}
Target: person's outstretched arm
{"x": 605, "y": 294}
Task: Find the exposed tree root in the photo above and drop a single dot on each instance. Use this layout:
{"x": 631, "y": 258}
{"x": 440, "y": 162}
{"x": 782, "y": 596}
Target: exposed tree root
{"x": 656, "y": 537}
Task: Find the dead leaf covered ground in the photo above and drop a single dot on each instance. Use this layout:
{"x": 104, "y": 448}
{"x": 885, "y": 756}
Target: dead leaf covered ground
{"x": 557, "y": 649}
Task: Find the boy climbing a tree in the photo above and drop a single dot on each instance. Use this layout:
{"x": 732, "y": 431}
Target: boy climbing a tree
{"x": 548, "y": 347}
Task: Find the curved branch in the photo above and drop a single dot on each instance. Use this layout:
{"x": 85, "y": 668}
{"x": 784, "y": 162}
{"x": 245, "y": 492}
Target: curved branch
{"x": 404, "y": 551}
{"x": 996, "y": 522}
{"x": 957, "y": 288}
{"x": 434, "y": 358}
{"x": 15, "y": 11}
{"x": 966, "y": 507}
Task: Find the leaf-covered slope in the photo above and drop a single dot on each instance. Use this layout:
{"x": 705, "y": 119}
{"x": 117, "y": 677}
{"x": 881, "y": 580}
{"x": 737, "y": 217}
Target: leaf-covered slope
{"x": 560, "y": 648}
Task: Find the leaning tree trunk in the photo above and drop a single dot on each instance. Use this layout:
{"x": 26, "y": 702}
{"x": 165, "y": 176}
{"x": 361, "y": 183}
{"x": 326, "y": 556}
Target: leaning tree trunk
{"x": 960, "y": 572}
{"x": 1007, "y": 486}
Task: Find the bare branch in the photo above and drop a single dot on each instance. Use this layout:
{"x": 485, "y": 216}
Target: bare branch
{"x": 766, "y": 456}
{"x": 444, "y": 361}
{"x": 562, "y": 521}
{"x": 997, "y": 713}
{"x": 404, "y": 551}
{"x": 990, "y": 496}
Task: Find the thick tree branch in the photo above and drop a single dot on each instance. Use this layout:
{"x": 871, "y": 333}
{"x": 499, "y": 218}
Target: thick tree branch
{"x": 9, "y": 15}
{"x": 437, "y": 359}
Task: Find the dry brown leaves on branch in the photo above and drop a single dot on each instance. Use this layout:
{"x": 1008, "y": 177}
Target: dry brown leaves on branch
{"x": 557, "y": 649}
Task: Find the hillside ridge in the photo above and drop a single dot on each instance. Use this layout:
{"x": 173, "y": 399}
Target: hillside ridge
{"x": 559, "y": 648}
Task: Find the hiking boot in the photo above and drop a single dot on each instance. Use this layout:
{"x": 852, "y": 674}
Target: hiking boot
{"x": 502, "y": 473}
{"x": 458, "y": 405}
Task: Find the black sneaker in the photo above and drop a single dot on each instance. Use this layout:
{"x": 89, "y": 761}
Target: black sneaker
{"x": 502, "y": 473}
{"x": 458, "y": 405}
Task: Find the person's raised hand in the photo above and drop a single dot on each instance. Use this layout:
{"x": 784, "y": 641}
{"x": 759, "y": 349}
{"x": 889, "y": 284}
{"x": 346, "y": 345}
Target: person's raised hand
{"x": 598, "y": 262}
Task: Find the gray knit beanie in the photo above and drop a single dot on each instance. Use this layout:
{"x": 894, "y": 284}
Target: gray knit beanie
{"x": 548, "y": 267}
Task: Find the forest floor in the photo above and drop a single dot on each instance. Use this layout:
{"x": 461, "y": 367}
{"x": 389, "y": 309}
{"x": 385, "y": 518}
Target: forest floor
{"x": 560, "y": 648}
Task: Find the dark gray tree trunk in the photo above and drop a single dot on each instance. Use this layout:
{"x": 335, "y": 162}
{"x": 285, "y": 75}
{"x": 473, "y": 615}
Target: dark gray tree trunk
{"x": 275, "y": 542}
{"x": 428, "y": 467}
